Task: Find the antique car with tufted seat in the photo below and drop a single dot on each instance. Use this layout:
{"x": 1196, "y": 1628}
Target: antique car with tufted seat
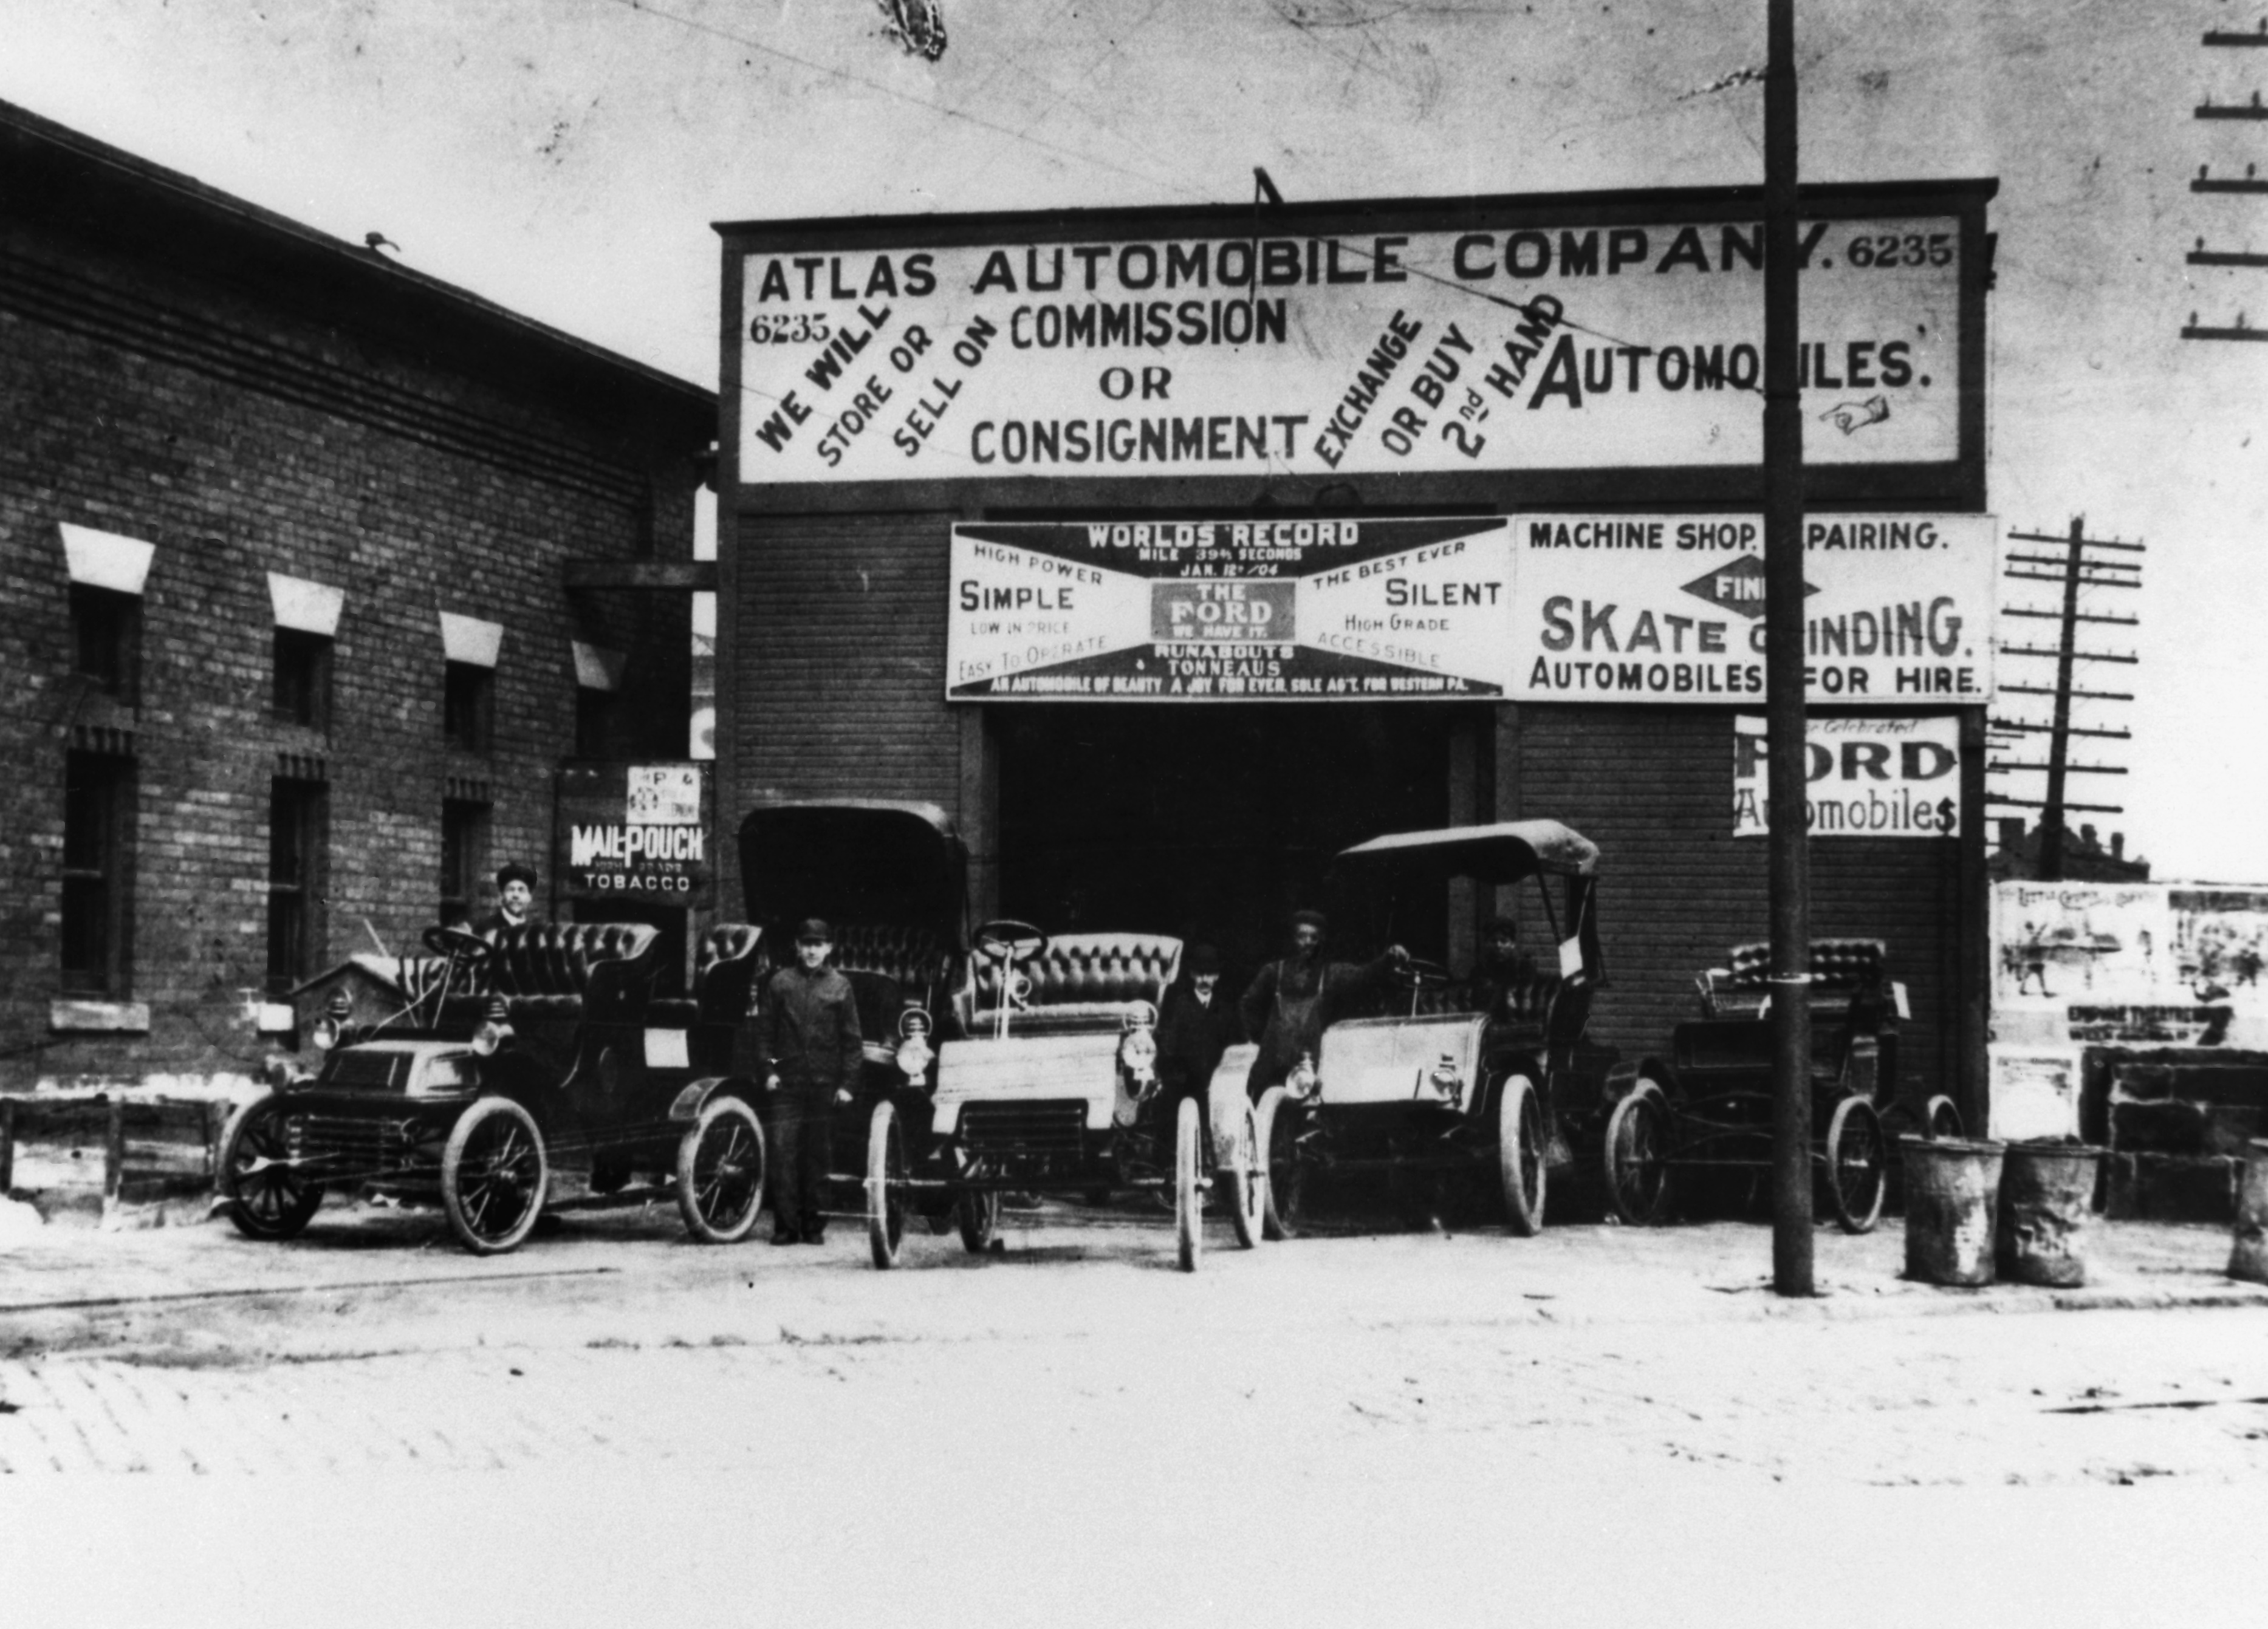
{"x": 1462, "y": 1086}
{"x": 1050, "y": 1084}
{"x": 511, "y": 1061}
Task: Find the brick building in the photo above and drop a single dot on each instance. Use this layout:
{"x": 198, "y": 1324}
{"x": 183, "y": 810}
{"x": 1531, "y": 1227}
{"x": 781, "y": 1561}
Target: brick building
{"x": 316, "y": 569}
{"x": 1170, "y": 550}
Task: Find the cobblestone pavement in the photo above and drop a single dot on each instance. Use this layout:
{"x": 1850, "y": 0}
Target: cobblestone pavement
{"x": 1431, "y": 1382}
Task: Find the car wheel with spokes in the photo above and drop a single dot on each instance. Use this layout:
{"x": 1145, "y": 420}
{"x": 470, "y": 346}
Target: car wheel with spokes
{"x": 1277, "y": 1124}
{"x": 1519, "y": 1153}
{"x": 1189, "y": 1196}
{"x": 720, "y": 1172}
{"x": 1244, "y": 1173}
{"x": 494, "y": 1176}
{"x": 1857, "y": 1164}
{"x": 976, "y": 1212}
{"x": 886, "y": 1191}
{"x": 267, "y": 1198}
{"x": 1637, "y": 1144}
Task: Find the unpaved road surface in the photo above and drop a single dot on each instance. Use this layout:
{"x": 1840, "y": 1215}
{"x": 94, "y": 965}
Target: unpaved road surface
{"x": 1334, "y": 1429}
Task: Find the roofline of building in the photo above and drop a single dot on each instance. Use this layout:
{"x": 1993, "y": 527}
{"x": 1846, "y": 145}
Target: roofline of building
{"x": 26, "y": 133}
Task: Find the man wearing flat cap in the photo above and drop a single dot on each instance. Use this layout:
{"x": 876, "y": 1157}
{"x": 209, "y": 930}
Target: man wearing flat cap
{"x": 1290, "y": 1003}
{"x": 807, "y": 1034}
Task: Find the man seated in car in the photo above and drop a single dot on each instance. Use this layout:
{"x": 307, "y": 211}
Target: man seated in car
{"x": 1504, "y": 973}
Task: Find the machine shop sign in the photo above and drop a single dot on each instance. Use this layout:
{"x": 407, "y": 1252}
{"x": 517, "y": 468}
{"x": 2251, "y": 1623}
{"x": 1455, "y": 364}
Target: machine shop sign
{"x": 1508, "y": 346}
{"x": 1875, "y": 776}
{"x": 634, "y": 831}
{"x": 1230, "y": 611}
{"x": 1670, "y": 608}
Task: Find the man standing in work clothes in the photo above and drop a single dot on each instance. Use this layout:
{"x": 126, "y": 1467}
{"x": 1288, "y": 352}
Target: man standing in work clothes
{"x": 808, "y": 1033}
{"x": 1291, "y": 1000}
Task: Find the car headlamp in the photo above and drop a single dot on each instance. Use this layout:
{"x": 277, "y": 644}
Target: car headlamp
{"x": 1303, "y": 1082}
{"x": 324, "y": 1035}
{"x": 333, "y": 1023}
{"x": 1138, "y": 1052}
{"x": 495, "y": 1029}
{"x": 1444, "y": 1079}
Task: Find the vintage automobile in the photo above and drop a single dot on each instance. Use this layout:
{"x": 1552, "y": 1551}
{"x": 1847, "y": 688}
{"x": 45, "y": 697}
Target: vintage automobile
{"x": 1456, "y": 1087}
{"x": 1706, "y": 1112}
{"x": 1048, "y": 1084}
{"x": 507, "y": 1060}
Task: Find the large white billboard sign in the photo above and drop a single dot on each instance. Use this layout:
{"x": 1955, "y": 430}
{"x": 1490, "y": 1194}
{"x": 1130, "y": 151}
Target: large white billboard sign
{"x": 1582, "y": 346}
{"x": 1650, "y": 608}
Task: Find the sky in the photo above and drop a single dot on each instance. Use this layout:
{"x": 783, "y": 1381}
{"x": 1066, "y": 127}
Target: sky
{"x": 566, "y": 158}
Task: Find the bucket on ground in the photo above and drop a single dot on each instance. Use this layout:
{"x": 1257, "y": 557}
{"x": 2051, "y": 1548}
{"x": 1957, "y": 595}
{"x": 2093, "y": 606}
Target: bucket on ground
{"x": 2047, "y": 1192}
{"x": 2248, "y": 1258}
{"x": 1953, "y": 1191}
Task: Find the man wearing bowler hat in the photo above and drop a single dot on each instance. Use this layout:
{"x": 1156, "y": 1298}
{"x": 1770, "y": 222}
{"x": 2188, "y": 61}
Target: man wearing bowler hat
{"x": 808, "y": 1033}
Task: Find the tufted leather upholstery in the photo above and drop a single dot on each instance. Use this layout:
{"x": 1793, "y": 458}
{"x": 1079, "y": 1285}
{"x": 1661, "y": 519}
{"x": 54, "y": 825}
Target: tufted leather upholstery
{"x": 911, "y": 956}
{"x": 726, "y": 963}
{"x": 1081, "y": 981}
{"x": 596, "y": 971}
{"x": 1526, "y": 1003}
{"x": 1836, "y": 965}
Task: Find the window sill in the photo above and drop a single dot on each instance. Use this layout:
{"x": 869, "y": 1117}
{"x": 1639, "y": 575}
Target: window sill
{"x": 99, "y": 1017}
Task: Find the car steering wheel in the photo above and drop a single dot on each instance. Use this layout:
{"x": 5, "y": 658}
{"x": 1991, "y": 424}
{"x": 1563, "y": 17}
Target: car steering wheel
{"x": 1007, "y": 941}
{"x": 457, "y": 945}
{"x": 1417, "y": 973}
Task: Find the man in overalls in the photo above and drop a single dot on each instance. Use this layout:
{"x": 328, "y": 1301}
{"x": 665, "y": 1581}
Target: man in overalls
{"x": 1292, "y": 1001}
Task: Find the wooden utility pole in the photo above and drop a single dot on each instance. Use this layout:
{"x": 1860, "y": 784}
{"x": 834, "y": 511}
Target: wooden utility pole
{"x": 1784, "y": 698}
{"x": 2073, "y": 570}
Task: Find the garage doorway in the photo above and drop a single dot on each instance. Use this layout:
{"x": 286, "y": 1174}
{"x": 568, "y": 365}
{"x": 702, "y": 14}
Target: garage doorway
{"x": 1210, "y": 822}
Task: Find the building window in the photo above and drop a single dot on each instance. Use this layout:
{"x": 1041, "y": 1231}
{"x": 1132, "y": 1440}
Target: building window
{"x": 303, "y": 678}
{"x": 105, "y": 639}
{"x": 98, "y": 844}
{"x": 464, "y": 857}
{"x": 297, "y": 814}
{"x": 467, "y": 706}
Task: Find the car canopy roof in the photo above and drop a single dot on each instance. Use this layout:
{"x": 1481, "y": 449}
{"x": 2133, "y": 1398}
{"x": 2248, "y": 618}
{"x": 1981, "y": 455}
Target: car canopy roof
{"x": 869, "y": 861}
{"x": 1498, "y": 853}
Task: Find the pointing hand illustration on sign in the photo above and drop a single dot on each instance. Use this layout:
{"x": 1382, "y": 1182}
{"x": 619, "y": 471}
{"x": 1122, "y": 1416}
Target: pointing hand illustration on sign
{"x": 1849, "y": 417}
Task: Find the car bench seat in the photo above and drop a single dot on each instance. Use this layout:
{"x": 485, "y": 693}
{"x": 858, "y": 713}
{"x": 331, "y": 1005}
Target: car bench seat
{"x": 727, "y": 964}
{"x": 597, "y": 973}
{"x": 1082, "y": 982}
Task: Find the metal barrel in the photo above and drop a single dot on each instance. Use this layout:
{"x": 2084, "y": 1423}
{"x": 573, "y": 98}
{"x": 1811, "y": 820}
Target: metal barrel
{"x": 2047, "y": 1190}
{"x": 1953, "y": 1192}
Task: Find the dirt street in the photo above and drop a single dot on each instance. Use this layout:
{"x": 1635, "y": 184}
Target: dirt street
{"x": 1071, "y": 1431}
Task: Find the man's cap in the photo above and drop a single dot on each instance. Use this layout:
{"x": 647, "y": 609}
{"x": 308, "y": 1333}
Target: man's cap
{"x": 1310, "y": 919}
{"x": 814, "y": 931}
{"x": 507, "y": 875}
{"x": 1202, "y": 958}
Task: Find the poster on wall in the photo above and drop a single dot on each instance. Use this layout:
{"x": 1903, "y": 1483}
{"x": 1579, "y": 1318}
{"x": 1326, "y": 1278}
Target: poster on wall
{"x": 1229, "y": 611}
{"x": 635, "y": 832}
{"x": 2155, "y": 963}
{"x": 1873, "y": 776}
{"x": 1653, "y": 608}
{"x": 1519, "y": 343}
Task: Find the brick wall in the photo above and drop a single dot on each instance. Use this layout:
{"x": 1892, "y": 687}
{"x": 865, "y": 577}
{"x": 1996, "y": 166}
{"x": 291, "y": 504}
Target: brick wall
{"x": 243, "y": 434}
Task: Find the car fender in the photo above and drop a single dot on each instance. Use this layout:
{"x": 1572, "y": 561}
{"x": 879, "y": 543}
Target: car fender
{"x": 685, "y": 1108}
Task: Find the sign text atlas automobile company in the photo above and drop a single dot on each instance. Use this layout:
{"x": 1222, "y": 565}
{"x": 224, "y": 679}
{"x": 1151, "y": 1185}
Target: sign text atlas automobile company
{"x": 1517, "y": 342}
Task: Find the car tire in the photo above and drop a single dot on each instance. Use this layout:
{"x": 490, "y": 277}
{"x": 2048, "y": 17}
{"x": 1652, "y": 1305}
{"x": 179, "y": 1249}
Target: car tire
{"x": 1519, "y": 1153}
{"x": 268, "y": 1198}
{"x": 886, "y": 1166}
{"x": 976, "y": 1213}
{"x": 1244, "y": 1173}
{"x": 720, "y": 1172}
{"x": 1189, "y": 1197}
{"x": 1277, "y": 1124}
{"x": 1940, "y": 1120}
{"x": 1636, "y": 1147}
{"x": 1858, "y": 1161}
{"x": 495, "y": 1173}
